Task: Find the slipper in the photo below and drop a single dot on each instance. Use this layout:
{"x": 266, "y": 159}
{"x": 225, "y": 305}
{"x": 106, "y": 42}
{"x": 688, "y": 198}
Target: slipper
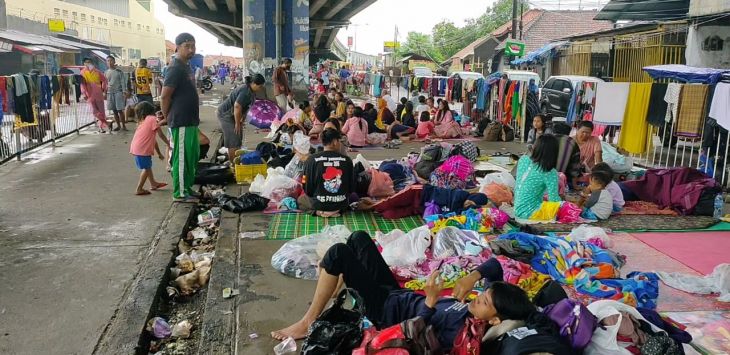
{"x": 161, "y": 185}
{"x": 145, "y": 192}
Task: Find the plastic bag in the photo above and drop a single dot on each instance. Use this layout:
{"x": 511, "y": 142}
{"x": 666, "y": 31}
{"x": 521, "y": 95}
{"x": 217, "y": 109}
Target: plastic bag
{"x": 498, "y": 193}
{"x": 300, "y": 257}
{"x": 604, "y": 339}
{"x": 431, "y": 209}
{"x": 569, "y": 213}
{"x": 503, "y": 178}
{"x": 245, "y": 203}
{"x": 452, "y": 241}
{"x": 361, "y": 159}
{"x": 716, "y": 282}
{"x": 278, "y": 186}
{"x": 585, "y": 233}
{"x": 408, "y": 249}
{"x": 257, "y": 185}
{"x": 381, "y": 185}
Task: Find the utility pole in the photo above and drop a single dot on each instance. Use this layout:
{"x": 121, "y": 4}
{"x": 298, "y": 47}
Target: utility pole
{"x": 522, "y": 11}
{"x": 514, "y": 19}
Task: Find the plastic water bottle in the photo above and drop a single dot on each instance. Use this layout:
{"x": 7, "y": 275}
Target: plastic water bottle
{"x": 719, "y": 206}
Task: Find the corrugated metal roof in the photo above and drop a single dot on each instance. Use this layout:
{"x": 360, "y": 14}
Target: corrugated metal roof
{"x": 33, "y": 39}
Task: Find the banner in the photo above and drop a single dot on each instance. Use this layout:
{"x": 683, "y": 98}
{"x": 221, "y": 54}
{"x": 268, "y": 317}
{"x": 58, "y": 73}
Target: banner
{"x": 56, "y": 25}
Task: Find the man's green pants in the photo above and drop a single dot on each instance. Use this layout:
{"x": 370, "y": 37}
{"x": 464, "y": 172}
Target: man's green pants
{"x": 185, "y": 156}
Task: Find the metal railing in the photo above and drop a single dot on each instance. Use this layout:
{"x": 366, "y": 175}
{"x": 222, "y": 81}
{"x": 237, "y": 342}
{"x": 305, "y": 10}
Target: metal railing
{"x": 60, "y": 121}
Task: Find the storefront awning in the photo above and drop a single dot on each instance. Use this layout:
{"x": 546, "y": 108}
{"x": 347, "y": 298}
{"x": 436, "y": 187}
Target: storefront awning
{"x": 686, "y": 73}
{"x": 34, "y": 49}
{"x": 539, "y": 54}
{"x": 644, "y": 10}
{"x": 103, "y": 56}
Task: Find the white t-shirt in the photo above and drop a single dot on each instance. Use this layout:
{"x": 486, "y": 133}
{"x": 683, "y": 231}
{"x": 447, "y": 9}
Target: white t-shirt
{"x": 325, "y": 77}
{"x": 420, "y": 108}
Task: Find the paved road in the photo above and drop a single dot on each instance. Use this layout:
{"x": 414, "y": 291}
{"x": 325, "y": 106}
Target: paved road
{"x": 72, "y": 234}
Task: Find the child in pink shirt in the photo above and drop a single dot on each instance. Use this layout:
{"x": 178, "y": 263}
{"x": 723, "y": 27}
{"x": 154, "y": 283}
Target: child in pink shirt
{"x": 356, "y": 128}
{"x": 144, "y": 145}
{"x": 426, "y": 127}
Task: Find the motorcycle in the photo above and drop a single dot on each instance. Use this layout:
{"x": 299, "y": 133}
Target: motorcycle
{"x": 207, "y": 83}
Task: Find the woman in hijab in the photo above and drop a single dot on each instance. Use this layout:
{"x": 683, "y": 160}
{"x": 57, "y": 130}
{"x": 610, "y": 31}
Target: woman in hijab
{"x": 385, "y": 116}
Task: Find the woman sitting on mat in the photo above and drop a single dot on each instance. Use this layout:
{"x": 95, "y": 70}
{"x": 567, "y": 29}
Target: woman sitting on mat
{"x": 446, "y": 126}
{"x": 591, "y": 152}
{"x": 355, "y": 128}
{"x": 535, "y": 175}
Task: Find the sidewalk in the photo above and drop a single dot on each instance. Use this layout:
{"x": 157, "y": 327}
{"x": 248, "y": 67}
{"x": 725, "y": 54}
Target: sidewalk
{"x": 73, "y": 235}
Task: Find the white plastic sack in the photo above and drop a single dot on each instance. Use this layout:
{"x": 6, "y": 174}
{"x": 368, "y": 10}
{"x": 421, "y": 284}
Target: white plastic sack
{"x": 618, "y": 163}
{"x": 604, "y": 340}
{"x": 385, "y": 238}
{"x": 257, "y": 185}
{"x": 274, "y": 127}
{"x": 278, "y": 186}
{"x": 361, "y": 159}
{"x": 503, "y": 178}
{"x": 408, "y": 249}
{"x": 452, "y": 241}
{"x": 300, "y": 257}
{"x": 584, "y": 232}
{"x": 716, "y": 282}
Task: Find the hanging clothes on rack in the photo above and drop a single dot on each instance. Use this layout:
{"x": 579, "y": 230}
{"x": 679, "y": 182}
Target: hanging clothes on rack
{"x": 573, "y": 104}
{"x": 46, "y": 93}
{"x": 657, "y": 110}
{"x": 672, "y": 99}
{"x": 22, "y": 98}
{"x": 611, "y": 101}
{"x": 10, "y": 88}
{"x": 4, "y": 95}
{"x": 692, "y": 108}
{"x": 377, "y": 89}
{"x": 638, "y": 140}
{"x": 720, "y": 105}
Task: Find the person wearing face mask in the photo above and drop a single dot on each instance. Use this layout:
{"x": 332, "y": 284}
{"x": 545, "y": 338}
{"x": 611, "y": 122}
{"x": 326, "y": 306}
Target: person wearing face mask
{"x": 93, "y": 88}
{"x": 232, "y": 111}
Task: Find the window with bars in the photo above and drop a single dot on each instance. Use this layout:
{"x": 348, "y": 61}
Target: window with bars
{"x": 93, "y": 18}
{"x": 75, "y": 15}
{"x": 65, "y": 13}
{"x": 147, "y": 28}
{"x": 116, "y": 22}
{"x": 57, "y": 12}
{"x": 83, "y": 17}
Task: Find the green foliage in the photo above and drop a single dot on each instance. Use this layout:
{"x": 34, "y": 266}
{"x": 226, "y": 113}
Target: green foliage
{"x": 446, "y": 38}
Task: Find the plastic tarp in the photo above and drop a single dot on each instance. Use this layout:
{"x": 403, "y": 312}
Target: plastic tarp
{"x": 539, "y": 53}
{"x": 686, "y": 73}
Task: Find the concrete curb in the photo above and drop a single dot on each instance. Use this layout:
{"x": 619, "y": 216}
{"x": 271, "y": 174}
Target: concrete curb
{"x": 219, "y": 324}
{"x": 122, "y": 333}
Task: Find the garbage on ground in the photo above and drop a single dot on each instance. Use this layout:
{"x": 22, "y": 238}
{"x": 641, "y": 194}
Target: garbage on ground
{"x": 289, "y": 345}
{"x": 247, "y": 202}
{"x": 197, "y": 233}
{"x": 209, "y": 217}
{"x": 252, "y": 235}
{"x": 229, "y": 292}
{"x": 190, "y": 283}
{"x": 593, "y": 235}
{"x": 300, "y": 257}
{"x": 253, "y": 336}
{"x": 182, "y": 329}
{"x": 159, "y": 328}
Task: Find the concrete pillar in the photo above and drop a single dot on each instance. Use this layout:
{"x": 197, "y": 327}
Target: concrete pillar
{"x": 3, "y": 15}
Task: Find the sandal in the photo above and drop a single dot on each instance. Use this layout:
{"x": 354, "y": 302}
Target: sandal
{"x": 142, "y": 193}
{"x": 159, "y": 186}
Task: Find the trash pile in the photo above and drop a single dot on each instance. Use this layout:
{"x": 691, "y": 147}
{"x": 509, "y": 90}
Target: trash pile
{"x": 175, "y": 328}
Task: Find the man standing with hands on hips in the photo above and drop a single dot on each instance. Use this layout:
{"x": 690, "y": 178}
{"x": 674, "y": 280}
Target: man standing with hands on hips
{"x": 282, "y": 92}
{"x": 181, "y": 112}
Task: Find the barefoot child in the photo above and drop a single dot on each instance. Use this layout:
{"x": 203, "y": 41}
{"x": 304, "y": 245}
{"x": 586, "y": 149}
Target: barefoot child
{"x": 598, "y": 202}
{"x": 144, "y": 144}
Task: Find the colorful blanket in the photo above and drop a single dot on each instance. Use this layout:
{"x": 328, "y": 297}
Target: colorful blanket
{"x": 588, "y": 268}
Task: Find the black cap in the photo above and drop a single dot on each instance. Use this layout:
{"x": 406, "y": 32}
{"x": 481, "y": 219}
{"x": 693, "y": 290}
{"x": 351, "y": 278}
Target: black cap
{"x": 184, "y": 37}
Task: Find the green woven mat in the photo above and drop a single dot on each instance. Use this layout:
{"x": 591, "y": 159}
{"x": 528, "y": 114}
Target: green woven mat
{"x": 294, "y": 225}
{"x": 644, "y": 223}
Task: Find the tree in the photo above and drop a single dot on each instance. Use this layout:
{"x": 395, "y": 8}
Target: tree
{"x": 449, "y": 39}
{"x": 419, "y": 43}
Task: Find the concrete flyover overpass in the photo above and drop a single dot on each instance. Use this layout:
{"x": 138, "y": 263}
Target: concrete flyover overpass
{"x": 326, "y": 17}
{"x": 222, "y": 18}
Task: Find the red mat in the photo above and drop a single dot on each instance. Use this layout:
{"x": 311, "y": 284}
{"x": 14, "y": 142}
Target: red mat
{"x": 700, "y": 251}
{"x": 642, "y": 257}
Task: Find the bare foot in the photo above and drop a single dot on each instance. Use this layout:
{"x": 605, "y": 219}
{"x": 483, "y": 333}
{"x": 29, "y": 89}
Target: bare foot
{"x": 297, "y": 331}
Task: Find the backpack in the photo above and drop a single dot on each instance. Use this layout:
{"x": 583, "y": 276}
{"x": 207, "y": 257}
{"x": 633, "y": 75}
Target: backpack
{"x": 267, "y": 150}
{"x": 493, "y": 132}
{"x": 431, "y": 152}
{"x": 411, "y": 336}
{"x": 469, "y": 339}
{"x": 706, "y": 203}
{"x": 424, "y": 168}
{"x": 466, "y": 149}
{"x": 507, "y": 134}
{"x": 575, "y": 321}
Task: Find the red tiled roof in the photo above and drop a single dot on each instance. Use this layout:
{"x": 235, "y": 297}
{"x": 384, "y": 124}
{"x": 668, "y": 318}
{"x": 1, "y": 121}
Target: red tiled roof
{"x": 553, "y": 25}
{"x": 527, "y": 18}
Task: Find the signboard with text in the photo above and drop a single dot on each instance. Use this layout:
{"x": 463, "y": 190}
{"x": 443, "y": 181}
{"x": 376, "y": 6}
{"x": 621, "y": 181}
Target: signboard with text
{"x": 349, "y": 41}
{"x": 56, "y": 25}
{"x": 390, "y": 46}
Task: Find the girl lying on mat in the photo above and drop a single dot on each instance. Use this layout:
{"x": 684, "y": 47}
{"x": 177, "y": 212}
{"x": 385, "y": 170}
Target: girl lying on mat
{"x": 504, "y": 307}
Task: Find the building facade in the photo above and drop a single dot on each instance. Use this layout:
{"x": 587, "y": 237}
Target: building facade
{"x": 127, "y": 27}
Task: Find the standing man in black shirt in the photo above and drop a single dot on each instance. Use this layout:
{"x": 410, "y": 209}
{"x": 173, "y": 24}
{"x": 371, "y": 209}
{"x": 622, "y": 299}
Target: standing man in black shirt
{"x": 180, "y": 110}
{"x": 328, "y": 178}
